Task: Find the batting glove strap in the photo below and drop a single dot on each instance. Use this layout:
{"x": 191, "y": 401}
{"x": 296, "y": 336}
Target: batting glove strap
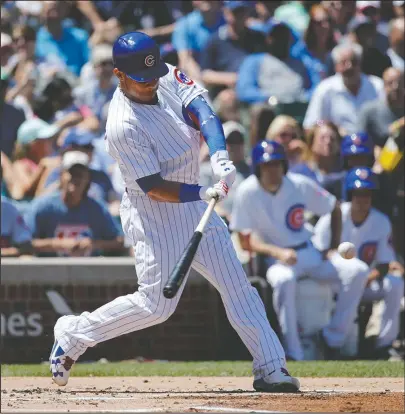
{"x": 218, "y": 191}
{"x": 223, "y": 168}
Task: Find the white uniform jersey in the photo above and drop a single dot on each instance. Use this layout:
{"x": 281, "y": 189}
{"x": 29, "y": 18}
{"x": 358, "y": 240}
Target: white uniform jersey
{"x": 279, "y": 218}
{"x": 150, "y": 139}
{"x": 372, "y": 238}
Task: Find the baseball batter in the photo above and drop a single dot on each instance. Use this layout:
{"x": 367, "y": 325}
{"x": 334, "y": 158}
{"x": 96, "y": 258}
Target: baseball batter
{"x": 153, "y": 131}
{"x": 278, "y": 230}
{"x": 370, "y": 232}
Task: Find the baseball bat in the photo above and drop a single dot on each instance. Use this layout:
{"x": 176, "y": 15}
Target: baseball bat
{"x": 183, "y": 265}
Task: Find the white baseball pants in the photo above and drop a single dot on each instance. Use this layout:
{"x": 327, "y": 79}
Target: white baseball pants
{"x": 159, "y": 233}
{"x": 348, "y": 279}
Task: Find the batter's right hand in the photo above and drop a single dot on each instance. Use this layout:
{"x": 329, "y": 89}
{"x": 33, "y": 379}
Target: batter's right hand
{"x": 219, "y": 191}
{"x": 288, "y": 256}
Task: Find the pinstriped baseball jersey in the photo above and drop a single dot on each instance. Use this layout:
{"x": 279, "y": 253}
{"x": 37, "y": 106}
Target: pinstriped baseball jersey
{"x": 161, "y": 139}
{"x": 151, "y": 139}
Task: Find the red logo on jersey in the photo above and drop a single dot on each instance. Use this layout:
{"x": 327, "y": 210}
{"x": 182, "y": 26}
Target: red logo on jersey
{"x": 295, "y": 217}
{"x": 367, "y": 252}
{"x": 182, "y": 77}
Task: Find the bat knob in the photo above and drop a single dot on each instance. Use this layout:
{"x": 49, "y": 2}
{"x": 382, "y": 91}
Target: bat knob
{"x": 168, "y": 292}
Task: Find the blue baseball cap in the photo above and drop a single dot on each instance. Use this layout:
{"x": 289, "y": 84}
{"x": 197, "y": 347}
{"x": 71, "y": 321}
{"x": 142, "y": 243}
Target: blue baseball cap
{"x": 33, "y": 129}
{"x": 237, "y": 4}
{"x": 138, "y": 56}
{"x": 79, "y": 137}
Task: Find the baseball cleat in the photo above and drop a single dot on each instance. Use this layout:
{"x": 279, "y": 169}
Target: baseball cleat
{"x": 278, "y": 381}
{"x": 60, "y": 365}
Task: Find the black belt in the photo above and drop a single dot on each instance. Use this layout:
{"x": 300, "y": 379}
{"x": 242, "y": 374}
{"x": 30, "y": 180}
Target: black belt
{"x": 300, "y": 246}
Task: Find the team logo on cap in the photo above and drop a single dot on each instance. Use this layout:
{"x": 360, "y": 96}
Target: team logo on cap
{"x": 356, "y": 140}
{"x": 182, "y": 77}
{"x": 269, "y": 149}
{"x": 150, "y": 60}
{"x": 367, "y": 252}
{"x": 295, "y": 217}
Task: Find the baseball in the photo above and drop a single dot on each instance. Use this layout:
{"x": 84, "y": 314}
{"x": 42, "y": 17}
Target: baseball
{"x": 347, "y": 250}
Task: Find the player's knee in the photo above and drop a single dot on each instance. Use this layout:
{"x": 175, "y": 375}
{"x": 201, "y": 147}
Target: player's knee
{"x": 357, "y": 269}
{"x": 280, "y": 276}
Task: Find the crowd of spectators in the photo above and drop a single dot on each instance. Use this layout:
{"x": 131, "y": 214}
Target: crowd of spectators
{"x": 322, "y": 78}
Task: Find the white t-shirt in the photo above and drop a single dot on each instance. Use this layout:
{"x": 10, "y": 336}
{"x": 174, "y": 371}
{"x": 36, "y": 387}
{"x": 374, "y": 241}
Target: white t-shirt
{"x": 279, "y": 218}
{"x": 150, "y": 139}
{"x": 372, "y": 238}
{"x": 331, "y": 101}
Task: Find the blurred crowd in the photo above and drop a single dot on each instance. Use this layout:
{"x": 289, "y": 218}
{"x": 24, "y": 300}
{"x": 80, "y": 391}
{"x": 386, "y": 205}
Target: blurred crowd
{"x": 324, "y": 79}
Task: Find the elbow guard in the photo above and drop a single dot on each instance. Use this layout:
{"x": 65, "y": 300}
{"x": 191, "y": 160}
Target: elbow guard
{"x": 210, "y": 125}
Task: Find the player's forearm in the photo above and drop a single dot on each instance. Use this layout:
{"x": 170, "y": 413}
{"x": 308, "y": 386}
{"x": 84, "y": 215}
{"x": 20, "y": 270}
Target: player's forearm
{"x": 10, "y": 252}
{"x": 166, "y": 191}
{"x": 336, "y": 226}
{"x": 256, "y": 245}
{"x": 15, "y": 251}
{"x": 211, "y": 77}
{"x": 50, "y": 245}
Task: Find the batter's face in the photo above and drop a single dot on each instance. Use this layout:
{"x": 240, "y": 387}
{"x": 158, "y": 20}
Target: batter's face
{"x": 138, "y": 91}
{"x": 271, "y": 175}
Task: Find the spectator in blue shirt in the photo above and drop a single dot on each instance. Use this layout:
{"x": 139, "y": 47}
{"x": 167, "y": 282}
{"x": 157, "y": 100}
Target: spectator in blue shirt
{"x": 69, "y": 222}
{"x": 57, "y": 42}
{"x": 15, "y": 234}
{"x": 224, "y": 53}
{"x": 192, "y": 32}
{"x": 274, "y": 73}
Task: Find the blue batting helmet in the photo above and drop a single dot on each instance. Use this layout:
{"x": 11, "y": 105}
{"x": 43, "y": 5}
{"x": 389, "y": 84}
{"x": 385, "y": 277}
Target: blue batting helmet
{"x": 138, "y": 56}
{"x": 266, "y": 151}
{"x": 361, "y": 178}
{"x": 356, "y": 144}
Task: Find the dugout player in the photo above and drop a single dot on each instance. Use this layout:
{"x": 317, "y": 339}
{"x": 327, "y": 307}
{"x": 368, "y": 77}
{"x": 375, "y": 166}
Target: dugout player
{"x": 370, "y": 231}
{"x": 270, "y": 206}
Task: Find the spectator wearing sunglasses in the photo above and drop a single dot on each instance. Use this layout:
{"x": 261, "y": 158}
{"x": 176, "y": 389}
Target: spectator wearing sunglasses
{"x": 286, "y": 131}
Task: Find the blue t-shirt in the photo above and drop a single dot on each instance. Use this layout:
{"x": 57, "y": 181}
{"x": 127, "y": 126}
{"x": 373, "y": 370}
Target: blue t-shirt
{"x": 72, "y": 48}
{"x": 14, "y": 231}
{"x": 49, "y": 217}
{"x": 191, "y": 33}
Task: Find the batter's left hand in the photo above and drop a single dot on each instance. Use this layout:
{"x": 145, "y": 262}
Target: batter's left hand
{"x": 223, "y": 168}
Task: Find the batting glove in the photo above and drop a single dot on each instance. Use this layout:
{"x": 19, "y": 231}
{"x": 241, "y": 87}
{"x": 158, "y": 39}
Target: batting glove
{"x": 223, "y": 168}
{"x": 218, "y": 191}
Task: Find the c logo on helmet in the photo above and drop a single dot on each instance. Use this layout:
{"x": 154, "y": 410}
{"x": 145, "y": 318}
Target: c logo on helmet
{"x": 150, "y": 60}
{"x": 367, "y": 252}
{"x": 356, "y": 140}
{"x": 295, "y": 217}
{"x": 182, "y": 77}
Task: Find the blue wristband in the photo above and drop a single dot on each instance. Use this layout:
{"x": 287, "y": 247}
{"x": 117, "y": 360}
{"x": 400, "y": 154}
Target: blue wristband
{"x": 189, "y": 192}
